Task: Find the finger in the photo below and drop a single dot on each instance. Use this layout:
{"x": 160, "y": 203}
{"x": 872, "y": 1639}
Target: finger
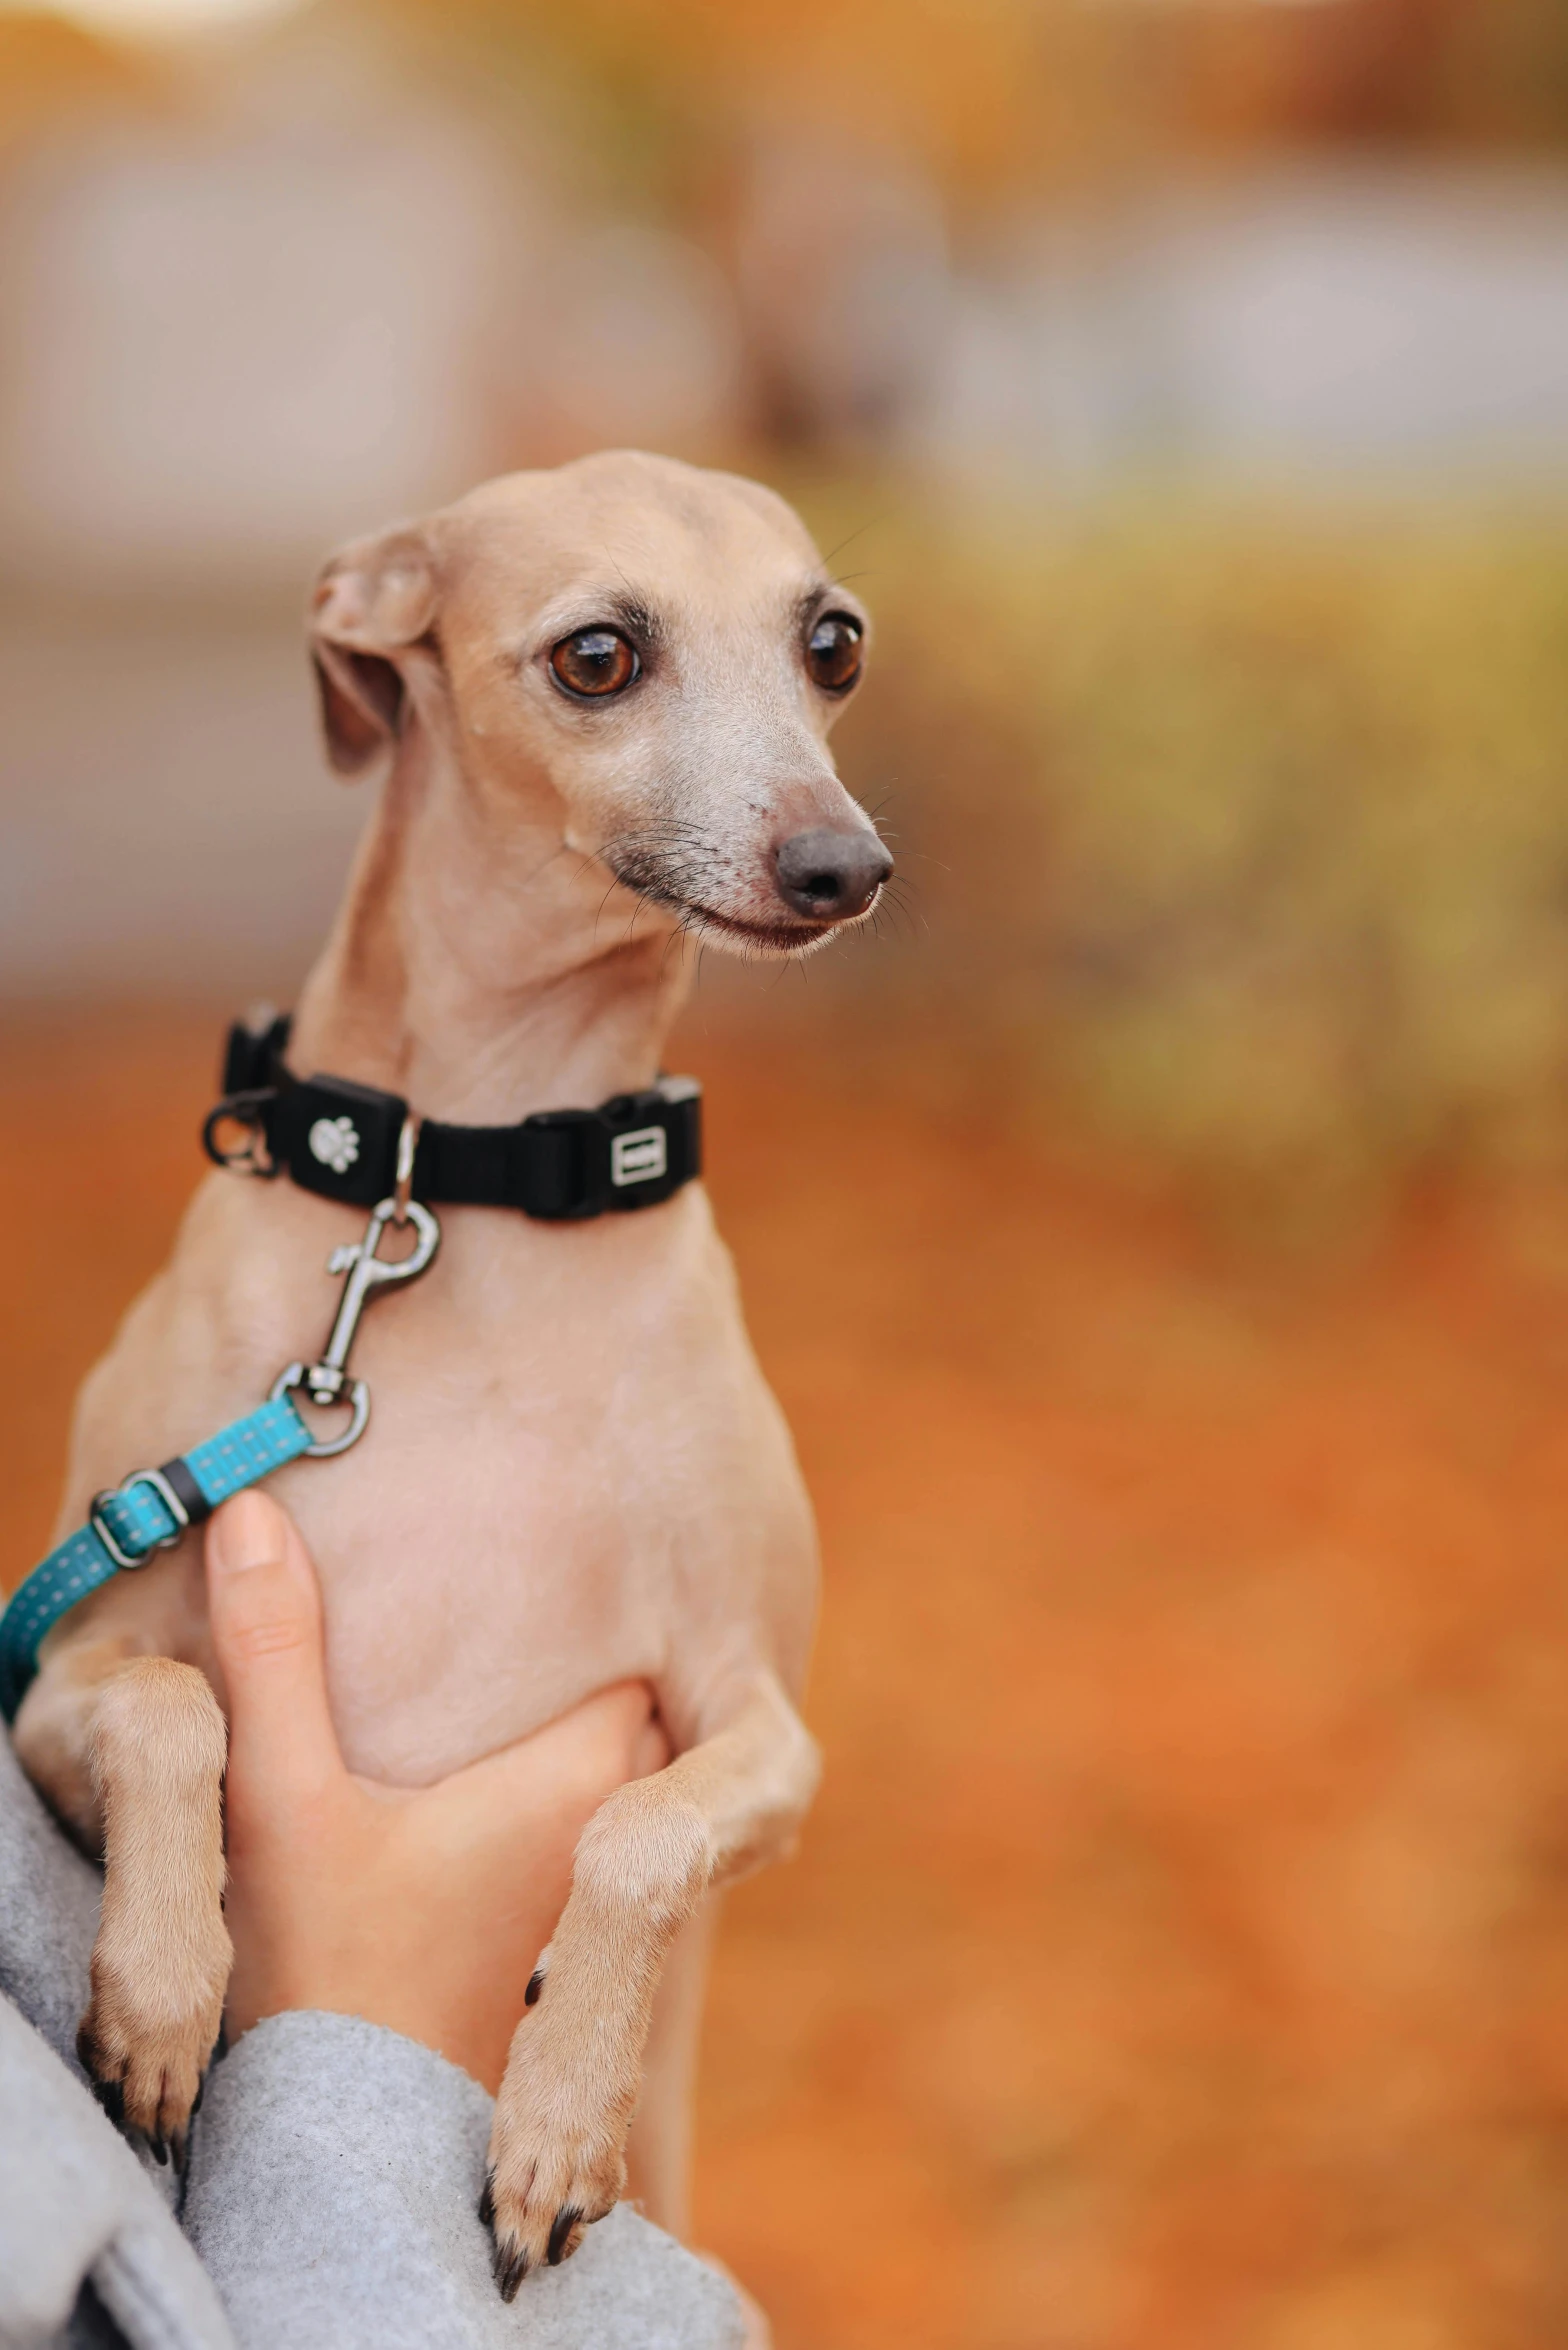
{"x": 265, "y": 1607}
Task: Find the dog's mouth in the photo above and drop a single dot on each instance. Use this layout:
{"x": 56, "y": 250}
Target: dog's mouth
{"x": 783, "y": 937}
{"x": 648, "y": 876}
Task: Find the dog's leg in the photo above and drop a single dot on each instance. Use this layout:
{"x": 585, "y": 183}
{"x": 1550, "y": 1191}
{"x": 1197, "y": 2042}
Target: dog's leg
{"x": 54, "y": 1728}
{"x": 557, "y": 2150}
{"x": 658, "y": 2146}
{"x": 161, "y": 1962}
{"x": 152, "y": 1739}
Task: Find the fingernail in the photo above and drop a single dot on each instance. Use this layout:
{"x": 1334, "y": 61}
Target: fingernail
{"x": 244, "y": 1533}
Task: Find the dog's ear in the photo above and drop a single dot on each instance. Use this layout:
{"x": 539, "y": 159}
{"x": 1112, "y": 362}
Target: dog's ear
{"x": 373, "y": 602}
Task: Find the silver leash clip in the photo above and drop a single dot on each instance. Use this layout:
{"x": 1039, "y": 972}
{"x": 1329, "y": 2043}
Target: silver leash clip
{"x": 327, "y": 1381}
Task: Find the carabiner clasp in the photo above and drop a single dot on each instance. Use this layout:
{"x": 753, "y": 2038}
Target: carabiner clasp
{"x": 327, "y": 1381}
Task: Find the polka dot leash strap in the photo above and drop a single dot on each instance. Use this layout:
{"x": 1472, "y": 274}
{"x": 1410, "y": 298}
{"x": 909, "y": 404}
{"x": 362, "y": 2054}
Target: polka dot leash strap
{"x": 153, "y": 1507}
{"x": 148, "y": 1512}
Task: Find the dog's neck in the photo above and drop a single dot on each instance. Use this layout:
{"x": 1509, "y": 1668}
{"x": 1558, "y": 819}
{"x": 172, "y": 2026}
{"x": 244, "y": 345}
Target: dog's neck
{"x": 475, "y": 967}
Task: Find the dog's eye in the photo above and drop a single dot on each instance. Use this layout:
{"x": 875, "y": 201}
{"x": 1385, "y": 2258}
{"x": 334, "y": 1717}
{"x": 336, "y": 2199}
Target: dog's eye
{"x": 594, "y": 662}
{"x": 834, "y": 652}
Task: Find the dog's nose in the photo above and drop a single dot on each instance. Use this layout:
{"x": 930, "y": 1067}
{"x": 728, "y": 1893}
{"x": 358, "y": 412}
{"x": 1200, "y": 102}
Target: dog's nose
{"x": 830, "y": 876}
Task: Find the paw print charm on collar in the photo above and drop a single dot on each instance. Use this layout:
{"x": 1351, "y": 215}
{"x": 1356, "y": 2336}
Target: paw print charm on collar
{"x": 335, "y": 1142}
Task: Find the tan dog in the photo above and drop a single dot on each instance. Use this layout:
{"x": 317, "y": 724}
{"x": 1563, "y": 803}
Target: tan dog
{"x": 607, "y": 691}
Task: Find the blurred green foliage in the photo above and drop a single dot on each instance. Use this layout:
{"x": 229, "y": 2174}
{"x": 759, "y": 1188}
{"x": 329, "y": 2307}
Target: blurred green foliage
{"x": 1247, "y": 829}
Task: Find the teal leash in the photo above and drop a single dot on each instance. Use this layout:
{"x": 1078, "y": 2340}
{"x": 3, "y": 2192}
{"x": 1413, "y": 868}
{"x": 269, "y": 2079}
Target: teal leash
{"x": 153, "y": 1507}
{"x": 149, "y": 1512}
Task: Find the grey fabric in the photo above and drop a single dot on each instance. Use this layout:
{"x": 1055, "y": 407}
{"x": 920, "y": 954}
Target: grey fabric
{"x": 74, "y": 2205}
{"x": 48, "y": 1913}
{"x": 335, "y": 2170}
{"x": 49, "y": 1896}
{"x": 368, "y": 2155}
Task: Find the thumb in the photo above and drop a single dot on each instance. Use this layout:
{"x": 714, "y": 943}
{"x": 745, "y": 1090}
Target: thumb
{"x": 265, "y": 1609}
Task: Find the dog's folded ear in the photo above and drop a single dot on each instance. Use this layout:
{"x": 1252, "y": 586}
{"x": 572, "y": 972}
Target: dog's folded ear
{"x": 374, "y": 602}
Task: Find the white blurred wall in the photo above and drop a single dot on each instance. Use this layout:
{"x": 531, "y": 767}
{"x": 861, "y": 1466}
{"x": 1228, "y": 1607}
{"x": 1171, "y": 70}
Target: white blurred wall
{"x": 229, "y": 353}
{"x": 232, "y": 337}
{"x": 167, "y": 823}
{"x": 319, "y": 301}
{"x": 1335, "y": 325}
{"x": 311, "y": 304}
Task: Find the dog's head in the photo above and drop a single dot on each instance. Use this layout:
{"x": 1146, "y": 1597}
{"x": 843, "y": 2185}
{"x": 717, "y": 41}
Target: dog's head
{"x": 645, "y": 656}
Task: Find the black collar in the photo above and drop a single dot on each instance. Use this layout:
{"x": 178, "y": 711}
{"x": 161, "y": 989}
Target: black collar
{"x": 341, "y": 1139}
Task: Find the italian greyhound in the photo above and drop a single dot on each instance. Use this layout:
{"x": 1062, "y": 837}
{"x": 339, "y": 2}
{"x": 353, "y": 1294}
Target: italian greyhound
{"x": 604, "y": 692}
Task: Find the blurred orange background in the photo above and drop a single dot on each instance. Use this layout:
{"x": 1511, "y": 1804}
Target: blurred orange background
{"x": 1176, "y": 1955}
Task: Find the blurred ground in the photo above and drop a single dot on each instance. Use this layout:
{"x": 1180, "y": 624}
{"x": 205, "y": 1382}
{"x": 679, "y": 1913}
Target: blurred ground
{"x": 1176, "y": 1954}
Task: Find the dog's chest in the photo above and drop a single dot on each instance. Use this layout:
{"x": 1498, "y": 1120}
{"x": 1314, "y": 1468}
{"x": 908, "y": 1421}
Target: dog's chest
{"x": 480, "y": 1578}
{"x": 573, "y": 1473}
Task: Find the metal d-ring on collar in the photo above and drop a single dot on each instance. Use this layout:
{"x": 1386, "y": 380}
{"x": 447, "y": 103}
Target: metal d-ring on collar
{"x": 327, "y": 1381}
{"x": 245, "y": 1111}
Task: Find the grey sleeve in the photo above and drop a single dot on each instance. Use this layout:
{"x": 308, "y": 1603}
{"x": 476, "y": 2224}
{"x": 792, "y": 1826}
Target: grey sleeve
{"x": 48, "y": 1913}
{"x": 334, "y": 2182}
{"x": 335, "y": 2173}
{"x": 88, "y": 2249}
{"x": 79, "y": 2221}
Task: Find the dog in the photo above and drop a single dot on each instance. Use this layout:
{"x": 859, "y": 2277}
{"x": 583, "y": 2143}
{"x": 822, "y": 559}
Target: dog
{"x": 604, "y": 694}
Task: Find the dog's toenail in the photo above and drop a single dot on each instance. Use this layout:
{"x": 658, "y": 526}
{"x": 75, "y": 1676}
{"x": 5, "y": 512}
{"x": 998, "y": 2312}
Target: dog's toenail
{"x": 535, "y": 1986}
{"x": 487, "y": 2204}
{"x": 565, "y": 2220}
{"x": 510, "y": 2270}
{"x": 111, "y": 2096}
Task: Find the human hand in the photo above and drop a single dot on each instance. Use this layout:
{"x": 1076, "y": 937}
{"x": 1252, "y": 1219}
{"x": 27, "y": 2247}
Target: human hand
{"x": 424, "y": 1909}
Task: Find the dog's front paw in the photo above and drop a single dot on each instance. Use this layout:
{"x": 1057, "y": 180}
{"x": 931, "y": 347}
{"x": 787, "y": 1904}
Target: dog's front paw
{"x": 557, "y": 2153}
{"x": 148, "y": 2034}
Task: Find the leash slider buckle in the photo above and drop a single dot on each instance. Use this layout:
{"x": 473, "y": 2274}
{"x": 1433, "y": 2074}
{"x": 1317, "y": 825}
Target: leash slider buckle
{"x": 171, "y": 1502}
